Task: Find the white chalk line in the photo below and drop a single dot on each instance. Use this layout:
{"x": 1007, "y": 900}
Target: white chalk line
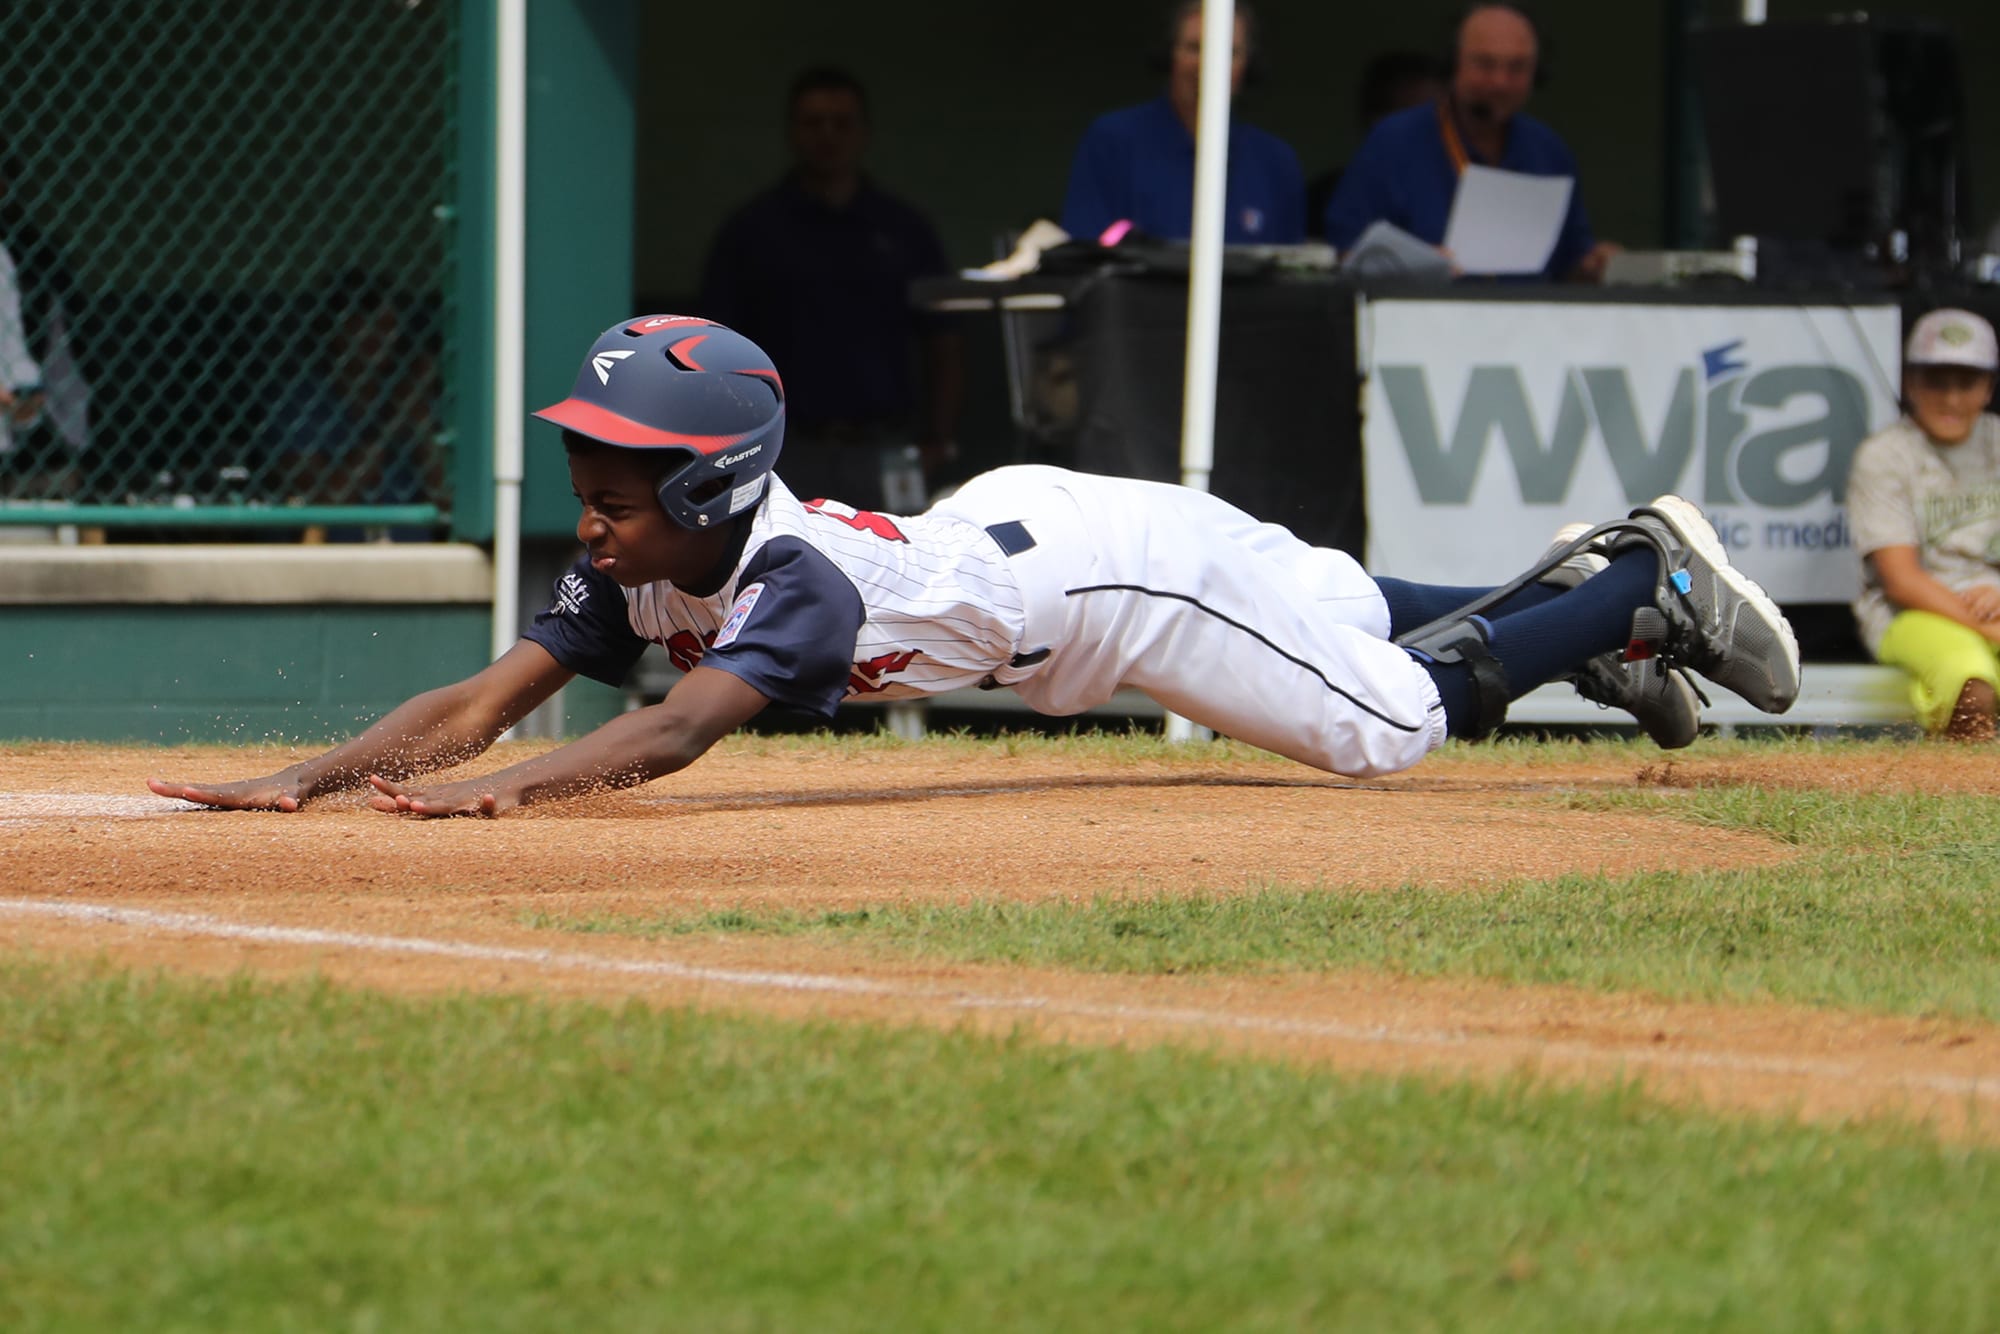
{"x": 31, "y": 808}
{"x": 47, "y": 807}
{"x": 1985, "y": 1089}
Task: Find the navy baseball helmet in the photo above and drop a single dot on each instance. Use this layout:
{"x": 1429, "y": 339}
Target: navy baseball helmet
{"x": 689, "y": 387}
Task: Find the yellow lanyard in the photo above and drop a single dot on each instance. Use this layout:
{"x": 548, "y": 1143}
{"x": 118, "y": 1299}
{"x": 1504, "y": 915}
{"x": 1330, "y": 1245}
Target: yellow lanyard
{"x": 1454, "y": 147}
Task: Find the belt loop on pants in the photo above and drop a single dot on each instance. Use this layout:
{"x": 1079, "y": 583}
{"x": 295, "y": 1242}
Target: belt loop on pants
{"x": 1013, "y": 536}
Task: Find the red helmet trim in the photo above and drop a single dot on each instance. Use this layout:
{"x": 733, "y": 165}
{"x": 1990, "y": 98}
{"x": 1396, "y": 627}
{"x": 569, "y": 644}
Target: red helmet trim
{"x": 615, "y": 429}
{"x": 655, "y": 323}
{"x": 683, "y": 352}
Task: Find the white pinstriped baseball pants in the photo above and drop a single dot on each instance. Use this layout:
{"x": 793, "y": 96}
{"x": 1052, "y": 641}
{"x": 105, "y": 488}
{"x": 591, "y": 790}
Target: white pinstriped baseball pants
{"x": 1234, "y": 624}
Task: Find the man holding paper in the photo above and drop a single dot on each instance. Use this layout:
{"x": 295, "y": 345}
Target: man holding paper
{"x": 1471, "y": 172}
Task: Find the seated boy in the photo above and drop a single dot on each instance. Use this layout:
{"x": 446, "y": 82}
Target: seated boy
{"x": 1923, "y": 497}
{"x": 1061, "y": 586}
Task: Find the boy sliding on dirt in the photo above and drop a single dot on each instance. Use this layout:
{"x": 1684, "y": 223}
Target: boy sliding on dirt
{"x": 1061, "y": 586}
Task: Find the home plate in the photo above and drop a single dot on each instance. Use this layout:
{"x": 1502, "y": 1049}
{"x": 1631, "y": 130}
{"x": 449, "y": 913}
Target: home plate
{"x": 34, "y": 807}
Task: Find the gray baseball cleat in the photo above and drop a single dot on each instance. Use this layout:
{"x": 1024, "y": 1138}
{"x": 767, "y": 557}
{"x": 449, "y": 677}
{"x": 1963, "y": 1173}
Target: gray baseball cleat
{"x": 1657, "y": 696}
{"x": 1662, "y": 701}
{"x": 1711, "y": 616}
{"x": 1580, "y": 565}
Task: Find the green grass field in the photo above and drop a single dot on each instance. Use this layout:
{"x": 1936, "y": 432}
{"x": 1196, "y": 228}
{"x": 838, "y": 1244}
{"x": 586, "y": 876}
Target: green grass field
{"x": 181, "y": 1154}
{"x": 201, "y": 1156}
{"x": 1893, "y": 905}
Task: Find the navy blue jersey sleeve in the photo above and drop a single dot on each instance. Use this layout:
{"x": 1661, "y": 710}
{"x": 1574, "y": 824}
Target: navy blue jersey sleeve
{"x": 585, "y": 626}
{"x": 791, "y": 631}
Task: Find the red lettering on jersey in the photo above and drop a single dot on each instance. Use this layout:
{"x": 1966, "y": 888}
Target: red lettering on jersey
{"x": 862, "y": 521}
{"x": 684, "y": 650}
{"x": 866, "y": 678}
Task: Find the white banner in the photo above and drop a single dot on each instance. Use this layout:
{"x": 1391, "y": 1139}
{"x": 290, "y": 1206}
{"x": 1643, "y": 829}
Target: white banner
{"x": 1490, "y": 424}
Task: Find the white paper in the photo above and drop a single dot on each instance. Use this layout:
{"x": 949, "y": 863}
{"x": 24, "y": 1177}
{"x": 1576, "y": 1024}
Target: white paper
{"x": 1027, "y": 257}
{"x": 1386, "y": 250}
{"x": 1506, "y": 221}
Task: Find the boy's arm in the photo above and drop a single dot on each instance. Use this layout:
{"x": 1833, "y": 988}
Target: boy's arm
{"x": 633, "y": 748}
{"x": 1911, "y": 587}
{"x": 434, "y": 730}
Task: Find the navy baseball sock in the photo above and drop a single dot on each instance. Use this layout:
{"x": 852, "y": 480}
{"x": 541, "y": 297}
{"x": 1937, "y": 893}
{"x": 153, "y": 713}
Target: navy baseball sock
{"x": 1412, "y": 605}
{"x": 1576, "y": 625}
{"x": 1556, "y": 635}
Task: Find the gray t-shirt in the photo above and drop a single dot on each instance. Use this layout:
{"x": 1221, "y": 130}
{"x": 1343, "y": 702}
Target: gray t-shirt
{"x": 1905, "y": 490}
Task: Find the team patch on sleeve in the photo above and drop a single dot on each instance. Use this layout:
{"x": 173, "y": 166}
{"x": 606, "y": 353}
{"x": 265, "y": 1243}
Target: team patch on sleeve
{"x": 746, "y": 602}
{"x": 571, "y": 594}
{"x": 792, "y": 630}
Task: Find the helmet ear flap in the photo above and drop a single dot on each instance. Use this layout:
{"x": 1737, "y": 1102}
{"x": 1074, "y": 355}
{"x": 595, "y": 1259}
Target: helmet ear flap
{"x": 667, "y": 481}
{"x": 672, "y": 464}
{"x": 709, "y": 489}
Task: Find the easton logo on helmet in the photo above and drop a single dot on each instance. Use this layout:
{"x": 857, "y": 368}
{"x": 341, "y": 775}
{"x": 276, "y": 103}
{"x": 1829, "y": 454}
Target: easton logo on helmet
{"x": 738, "y": 457}
{"x": 602, "y": 363}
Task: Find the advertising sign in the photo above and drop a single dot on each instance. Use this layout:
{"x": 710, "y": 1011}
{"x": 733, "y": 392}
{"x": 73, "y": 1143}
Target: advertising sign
{"x": 1490, "y": 424}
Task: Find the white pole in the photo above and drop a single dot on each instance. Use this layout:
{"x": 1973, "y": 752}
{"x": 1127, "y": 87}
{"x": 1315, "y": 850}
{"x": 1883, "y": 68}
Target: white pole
{"x": 1204, "y": 314}
{"x": 1211, "y": 176}
{"x": 510, "y": 122}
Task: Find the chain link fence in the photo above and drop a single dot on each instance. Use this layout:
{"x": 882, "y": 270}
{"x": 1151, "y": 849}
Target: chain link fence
{"x": 230, "y": 247}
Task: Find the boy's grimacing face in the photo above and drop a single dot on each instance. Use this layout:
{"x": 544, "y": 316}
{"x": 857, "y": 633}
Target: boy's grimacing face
{"x": 628, "y": 535}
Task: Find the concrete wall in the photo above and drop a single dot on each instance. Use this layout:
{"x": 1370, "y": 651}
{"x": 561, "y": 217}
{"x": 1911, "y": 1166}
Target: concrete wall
{"x": 191, "y": 643}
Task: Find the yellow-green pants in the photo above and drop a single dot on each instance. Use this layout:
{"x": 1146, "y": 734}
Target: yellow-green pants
{"x": 1940, "y": 656}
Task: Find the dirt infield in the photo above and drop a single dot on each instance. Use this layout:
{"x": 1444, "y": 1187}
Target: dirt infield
{"x": 92, "y": 864}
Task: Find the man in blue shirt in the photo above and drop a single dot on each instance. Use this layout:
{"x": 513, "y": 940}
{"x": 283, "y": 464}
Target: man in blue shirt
{"x": 1407, "y": 170}
{"x": 1137, "y": 164}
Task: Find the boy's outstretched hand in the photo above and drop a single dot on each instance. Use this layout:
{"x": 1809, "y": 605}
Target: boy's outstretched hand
{"x": 474, "y": 798}
{"x": 251, "y": 794}
{"x": 427, "y": 732}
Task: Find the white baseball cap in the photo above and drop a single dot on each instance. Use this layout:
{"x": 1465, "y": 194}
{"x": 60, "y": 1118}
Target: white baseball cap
{"x": 1952, "y": 338}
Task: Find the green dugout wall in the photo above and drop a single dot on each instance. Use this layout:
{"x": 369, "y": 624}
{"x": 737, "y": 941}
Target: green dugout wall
{"x": 231, "y": 642}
